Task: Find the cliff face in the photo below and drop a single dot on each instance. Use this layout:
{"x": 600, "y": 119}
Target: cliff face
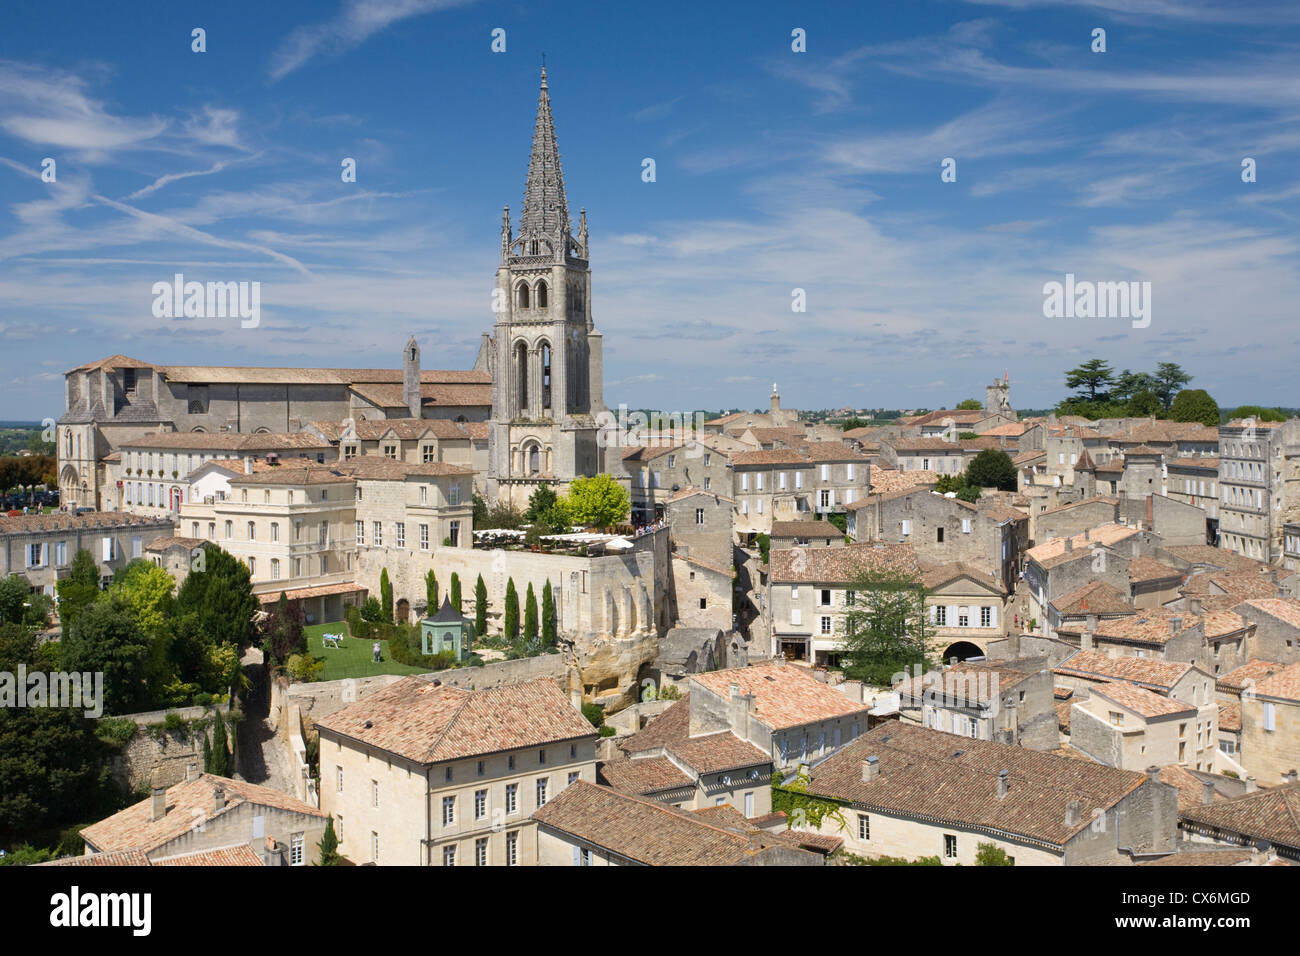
{"x": 610, "y": 669}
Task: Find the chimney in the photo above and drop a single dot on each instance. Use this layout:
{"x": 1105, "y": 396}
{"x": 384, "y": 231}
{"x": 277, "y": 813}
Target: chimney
{"x": 1291, "y": 776}
{"x": 218, "y": 799}
{"x": 870, "y": 769}
{"x": 1175, "y": 625}
{"x": 1194, "y": 605}
{"x": 1073, "y": 813}
{"x": 1085, "y": 641}
{"x": 1251, "y": 786}
{"x": 1153, "y": 773}
{"x": 1207, "y": 793}
{"x": 1069, "y": 544}
{"x": 1087, "y": 535}
{"x": 1150, "y": 512}
{"x": 158, "y": 802}
{"x": 248, "y": 466}
{"x": 735, "y": 690}
{"x": 1002, "y": 784}
{"x": 191, "y": 773}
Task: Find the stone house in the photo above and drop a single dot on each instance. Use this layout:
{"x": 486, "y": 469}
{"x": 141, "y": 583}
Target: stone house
{"x": 657, "y": 472}
{"x": 1009, "y": 701}
{"x": 810, "y": 590}
{"x": 700, "y": 530}
{"x": 1074, "y": 518}
{"x": 1270, "y": 726}
{"x": 1123, "y": 725}
{"x": 40, "y": 548}
{"x": 1059, "y": 566}
{"x": 1277, "y": 628}
{"x": 1195, "y": 481}
{"x": 207, "y": 813}
{"x": 905, "y": 791}
{"x": 966, "y": 608}
{"x": 923, "y": 454}
{"x": 423, "y": 774}
{"x": 770, "y": 486}
{"x": 1256, "y": 818}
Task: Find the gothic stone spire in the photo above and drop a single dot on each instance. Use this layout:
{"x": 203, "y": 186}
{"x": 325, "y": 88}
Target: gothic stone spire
{"x": 545, "y": 210}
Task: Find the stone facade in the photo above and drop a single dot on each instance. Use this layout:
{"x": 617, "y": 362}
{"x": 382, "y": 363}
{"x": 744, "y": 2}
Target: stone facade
{"x": 40, "y": 548}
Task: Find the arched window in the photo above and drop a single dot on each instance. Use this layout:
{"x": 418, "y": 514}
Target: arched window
{"x": 534, "y": 247}
{"x": 523, "y": 295}
{"x": 252, "y": 531}
{"x": 534, "y": 460}
{"x": 541, "y": 295}
{"x": 521, "y": 373}
{"x": 546, "y": 373}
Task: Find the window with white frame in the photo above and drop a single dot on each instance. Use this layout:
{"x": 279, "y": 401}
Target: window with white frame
{"x": 295, "y": 849}
{"x": 400, "y": 532}
{"x": 424, "y": 537}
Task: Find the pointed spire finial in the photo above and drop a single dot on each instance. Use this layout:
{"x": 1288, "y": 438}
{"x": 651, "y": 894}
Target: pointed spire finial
{"x": 545, "y": 211}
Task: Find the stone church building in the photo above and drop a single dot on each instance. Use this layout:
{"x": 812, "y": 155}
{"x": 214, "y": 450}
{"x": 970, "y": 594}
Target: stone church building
{"x": 537, "y": 379}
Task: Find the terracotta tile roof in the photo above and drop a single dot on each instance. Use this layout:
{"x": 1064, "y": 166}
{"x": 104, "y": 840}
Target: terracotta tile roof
{"x": 1223, "y": 857}
{"x": 884, "y": 480}
{"x": 1190, "y": 787}
{"x": 205, "y": 441}
{"x": 646, "y": 831}
{"x": 1062, "y": 708}
{"x": 1237, "y": 679}
{"x": 1053, "y": 552}
{"x": 1223, "y": 623}
{"x": 314, "y": 591}
{"x": 1201, "y": 463}
{"x": 1143, "y": 570}
{"x": 955, "y": 682}
{"x": 1143, "y": 671}
{"x": 158, "y": 545}
{"x": 1272, "y": 815}
{"x": 1286, "y": 610}
{"x": 1095, "y": 597}
{"x": 948, "y": 779}
{"x": 1241, "y": 586}
{"x": 374, "y": 467}
{"x": 262, "y": 375}
{"x": 1230, "y": 717}
{"x": 705, "y": 753}
{"x": 788, "y": 436}
{"x": 112, "y": 858}
{"x": 409, "y": 429}
{"x": 428, "y": 722}
{"x": 777, "y": 456}
{"x": 644, "y": 776}
{"x": 1216, "y": 558}
{"x": 941, "y": 574}
{"x": 1148, "y": 626}
{"x": 840, "y": 565}
{"x": 112, "y": 362}
{"x": 1283, "y": 684}
{"x": 239, "y": 855}
{"x": 648, "y": 452}
{"x": 922, "y": 444}
{"x": 1095, "y": 499}
{"x": 959, "y": 416}
{"x": 135, "y": 829}
{"x": 785, "y": 695}
{"x": 1140, "y": 701}
{"x": 831, "y": 451}
{"x": 91, "y": 521}
{"x": 329, "y": 474}
{"x": 455, "y": 395}
{"x": 689, "y": 492}
{"x": 1010, "y": 429}
{"x": 805, "y": 529}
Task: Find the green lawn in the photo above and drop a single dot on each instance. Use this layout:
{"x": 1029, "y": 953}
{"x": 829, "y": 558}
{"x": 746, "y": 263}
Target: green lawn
{"x": 354, "y": 657}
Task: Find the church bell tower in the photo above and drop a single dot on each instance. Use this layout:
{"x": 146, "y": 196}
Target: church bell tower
{"x": 546, "y": 352}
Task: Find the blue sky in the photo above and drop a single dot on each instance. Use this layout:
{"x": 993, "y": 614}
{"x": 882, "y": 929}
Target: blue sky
{"x": 775, "y": 170}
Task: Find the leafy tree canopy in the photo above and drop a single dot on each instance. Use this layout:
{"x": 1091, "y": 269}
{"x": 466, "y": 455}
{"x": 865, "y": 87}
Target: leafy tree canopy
{"x": 1195, "y": 405}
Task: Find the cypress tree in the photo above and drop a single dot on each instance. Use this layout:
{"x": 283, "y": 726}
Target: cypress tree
{"x": 455, "y": 591}
{"x": 512, "y": 611}
{"x": 220, "y": 753}
{"x": 207, "y": 754}
{"x": 548, "y": 616}
{"x": 480, "y": 607}
{"x": 530, "y": 615}
{"x": 431, "y": 592}
{"x": 386, "y": 595}
{"x": 329, "y": 846}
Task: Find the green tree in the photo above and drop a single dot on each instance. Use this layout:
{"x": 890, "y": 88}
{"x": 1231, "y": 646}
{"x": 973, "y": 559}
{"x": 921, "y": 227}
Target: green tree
{"x": 105, "y": 639}
{"x": 885, "y": 629}
{"x": 1144, "y": 403}
{"x": 284, "y": 630}
{"x": 480, "y": 607}
{"x": 79, "y": 589}
{"x": 989, "y": 854}
{"x": 147, "y": 590}
{"x": 1093, "y": 380}
{"x": 19, "y": 604}
{"x": 992, "y": 468}
{"x": 386, "y": 595}
{"x": 1257, "y": 412}
{"x": 549, "y": 635}
{"x": 540, "y": 501}
{"x": 53, "y": 769}
{"x": 454, "y": 597}
{"x": 431, "y": 591}
{"x": 512, "y": 612}
{"x": 329, "y": 846}
{"x": 220, "y": 763}
{"x": 597, "y": 502}
{"x": 504, "y": 516}
{"x": 1169, "y": 380}
{"x": 480, "y": 518}
{"x": 530, "y": 615}
{"x": 220, "y": 593}
{"x": 1195, "y": 405}
{"x": 853, "y": 422}
{"x": 950, "y": 483}
{"x": 970, "y": 404}
{"x": 1129, "y": 383}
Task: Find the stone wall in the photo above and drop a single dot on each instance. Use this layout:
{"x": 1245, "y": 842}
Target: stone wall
{"x": 156, "y": 755}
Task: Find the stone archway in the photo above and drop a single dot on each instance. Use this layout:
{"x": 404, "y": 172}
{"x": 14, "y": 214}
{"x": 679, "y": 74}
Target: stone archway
{"x": 962, "y": 650}
{"x": 402, "y": 612}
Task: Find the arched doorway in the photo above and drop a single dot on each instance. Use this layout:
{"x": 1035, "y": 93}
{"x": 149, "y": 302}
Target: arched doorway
{"x": 962, "y": 650}
{"x": 402, "y": 613}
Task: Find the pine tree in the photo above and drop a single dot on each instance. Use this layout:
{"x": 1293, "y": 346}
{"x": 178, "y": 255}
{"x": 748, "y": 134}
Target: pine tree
{"x": 329, "y": 846}
{"x": 386, "y": 595}
{"x": 512, "y": 611}
{"x": 431, "y": 592}
{"x": 530, "y": 615}
{"x": 480, "y": 607}
{"x": 220, "y": 752}
{"x": 548, "y": 616}
{"x": 455, "y": 591}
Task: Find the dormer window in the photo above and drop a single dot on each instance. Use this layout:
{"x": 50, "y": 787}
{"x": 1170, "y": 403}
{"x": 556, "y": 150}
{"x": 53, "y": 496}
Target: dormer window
{"x": 128, "y": 381}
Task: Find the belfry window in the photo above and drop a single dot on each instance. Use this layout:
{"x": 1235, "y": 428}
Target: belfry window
{"x": 546, "y": 370}
{"x": 523, "y": 295}
{"x": 541, "y": 295}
